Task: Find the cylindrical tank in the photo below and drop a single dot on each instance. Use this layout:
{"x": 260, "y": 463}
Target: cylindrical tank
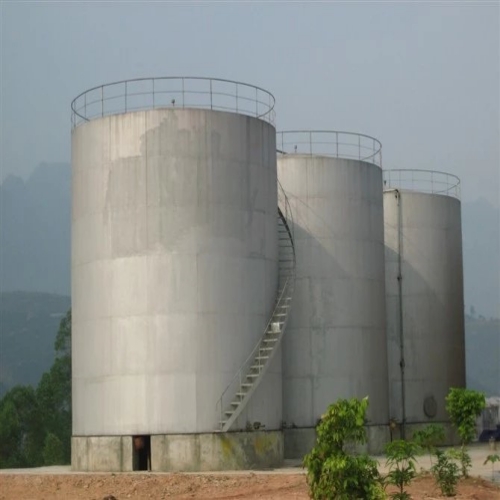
{"x": 335, "y": 344}
{"x": 174, "y": 254}
{"x": 424, "y": 284}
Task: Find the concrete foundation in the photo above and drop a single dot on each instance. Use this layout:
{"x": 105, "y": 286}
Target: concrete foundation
{"x": 101, "y": 453}
{"x": 182, "y": 452}
{"x": 299, "y": 442}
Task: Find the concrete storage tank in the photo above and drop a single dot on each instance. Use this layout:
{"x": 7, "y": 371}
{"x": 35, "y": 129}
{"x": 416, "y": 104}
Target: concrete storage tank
{"x": 335, "y": 345}
{"x": 174, "y": 276}
{"x": 424, "y": 283}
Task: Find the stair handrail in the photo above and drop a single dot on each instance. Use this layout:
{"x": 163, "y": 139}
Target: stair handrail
{"x": 288, "y": 214}
{"x": 238, "y": 376}
{"x": 242, "y": 371}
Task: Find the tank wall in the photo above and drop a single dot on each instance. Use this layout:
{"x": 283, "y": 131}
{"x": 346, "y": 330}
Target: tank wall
{"x": 424, "y": 232}
{"x": 174, "y": 268}
{"x": 335, "y": 342}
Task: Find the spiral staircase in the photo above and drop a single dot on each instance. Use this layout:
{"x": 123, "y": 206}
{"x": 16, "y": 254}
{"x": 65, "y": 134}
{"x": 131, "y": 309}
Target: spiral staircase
{"x": 246, "y": 380}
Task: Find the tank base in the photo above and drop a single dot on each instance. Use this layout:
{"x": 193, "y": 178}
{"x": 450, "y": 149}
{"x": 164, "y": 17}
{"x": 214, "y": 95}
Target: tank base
{"x": 180, "y": 452}
{"x": 300, "y": 441}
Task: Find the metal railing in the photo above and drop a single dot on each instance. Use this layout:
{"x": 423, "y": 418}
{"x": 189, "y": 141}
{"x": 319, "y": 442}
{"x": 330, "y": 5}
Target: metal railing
{"x": 241, "y": 375}
{"x": 286, "y": 211}
{"x": 334, "y": 143}
{"x": 422, "y": 181}
{"x": 285, "y": 291}
{"x": 142, "y": 94}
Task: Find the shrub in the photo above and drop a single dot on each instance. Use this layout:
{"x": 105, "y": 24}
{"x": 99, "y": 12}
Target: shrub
{"x": 53, "y": 452}
{"x": 464, "y": 406}
{"x": 402, "y": 466}
{"x": 428, "y": 438}
{"x": 446, "y": 473}
{"x": 333, "y": 473}
{"x": 492, "y": 459}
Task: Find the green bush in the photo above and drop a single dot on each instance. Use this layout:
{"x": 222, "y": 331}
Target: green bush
{"x": 428, "y": 438}
{"x": 464, "y": 406}
{"x": 446, "y": 473}
{"x": 402, "y": 466}
{"x": 333, "y": 473}
{"x": 492, "y": 459}
{"x": 53, "y": 451}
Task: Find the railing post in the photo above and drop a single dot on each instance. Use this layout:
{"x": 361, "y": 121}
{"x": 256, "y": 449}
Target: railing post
{"x": 183, "y": 95}
{"x": 310, "y": 143}
{"x": 359, "y": 147}
{"x": 236, "y": 85}
{"x": 256, "y": 102}
{"x": 102, "y": 101}
{"x": 125, "y": 97}
{"x": 337, "y": 143}
{"x": 153, "y": 93}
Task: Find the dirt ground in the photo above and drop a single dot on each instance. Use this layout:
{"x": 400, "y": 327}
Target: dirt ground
{"x": 246, "y": 486}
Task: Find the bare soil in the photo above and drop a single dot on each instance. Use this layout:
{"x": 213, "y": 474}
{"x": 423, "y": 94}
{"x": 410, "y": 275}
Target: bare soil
{"x": 289, "y": 486}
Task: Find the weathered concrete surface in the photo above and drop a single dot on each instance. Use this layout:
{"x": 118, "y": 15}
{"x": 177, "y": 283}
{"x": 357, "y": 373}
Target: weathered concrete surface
{"x": 299, "y": 442}
{"x": 335, "y": 344}
{"x": 423, "y": 238}
{"x": 181, "y": 452}
{"x": 217, "y": 451}
{"x": 101, "y": 453}
{"x": 174, "y": 269}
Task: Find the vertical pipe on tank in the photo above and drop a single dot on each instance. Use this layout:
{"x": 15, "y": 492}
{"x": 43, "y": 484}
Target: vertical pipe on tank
{"x": 401, "y": 339}
{"x": 401, "y": 329}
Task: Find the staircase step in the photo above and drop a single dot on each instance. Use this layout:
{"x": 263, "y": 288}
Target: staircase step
{"x": 235, "y": 403}
{"x": 246, "y": 384}
{"x": 270, "y": 332}
{"x": 253, "y": 375}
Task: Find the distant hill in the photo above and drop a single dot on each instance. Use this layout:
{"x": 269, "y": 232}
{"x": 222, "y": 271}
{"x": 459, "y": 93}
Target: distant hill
{"x": 35, "y": 231}
{"x": 28, "y": 328}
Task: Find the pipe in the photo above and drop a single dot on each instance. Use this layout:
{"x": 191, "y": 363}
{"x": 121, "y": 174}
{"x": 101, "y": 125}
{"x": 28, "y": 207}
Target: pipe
{"x": 401, "y": 328}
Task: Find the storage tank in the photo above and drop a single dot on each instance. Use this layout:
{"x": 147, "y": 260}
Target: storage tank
{"x": 425, "y": 306}
{"x": 174, "y": 273}
{"x": 334, "y": 346}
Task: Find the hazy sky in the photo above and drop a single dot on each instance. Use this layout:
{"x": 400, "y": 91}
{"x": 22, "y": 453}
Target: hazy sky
{"x": 421, "y": 77}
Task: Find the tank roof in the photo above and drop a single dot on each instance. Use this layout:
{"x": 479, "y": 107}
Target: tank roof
{"x": 332, "y": 143}
{"x": 142, "y": 94}
{"x": 422, "y": 181}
